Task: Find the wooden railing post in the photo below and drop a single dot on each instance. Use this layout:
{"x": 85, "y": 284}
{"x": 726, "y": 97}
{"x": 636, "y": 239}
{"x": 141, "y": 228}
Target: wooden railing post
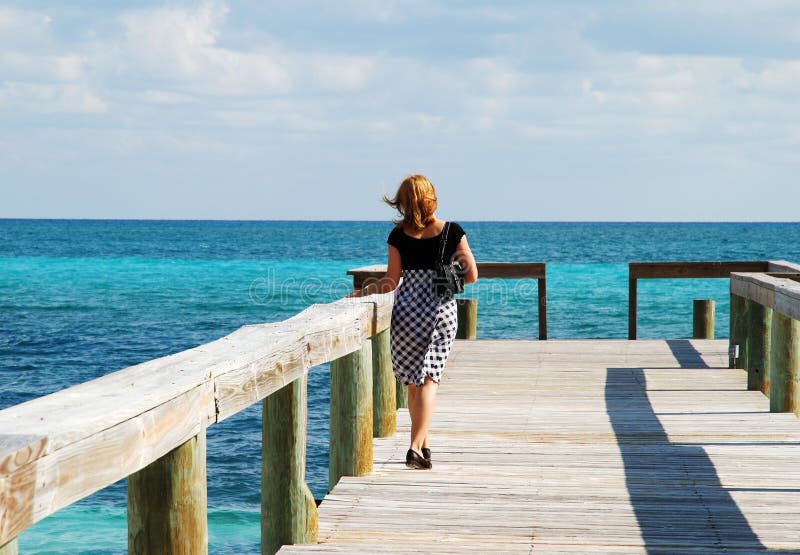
{"x": 384, "y": 395}
{"x": 738, "y": 330}
{"x": 542, "y": 298}
{"x": 351, "y": 415}
{"x": 288, "y": 510}
{"x": 631, "y": 306}
{"x": 703, "y": 319}
{"x": 402, "y": 395}
{"x": 467, "y": 318}
{"x": 167, "y": 503}
{"x": 10, "y": 548}
{"x": 784, "y": 395}
{"x": 759, "y": 325}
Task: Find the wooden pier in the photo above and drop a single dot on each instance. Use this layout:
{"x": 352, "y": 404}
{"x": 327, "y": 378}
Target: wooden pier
{"x": 567, "y": 446}
{"x": 581, "y": 447}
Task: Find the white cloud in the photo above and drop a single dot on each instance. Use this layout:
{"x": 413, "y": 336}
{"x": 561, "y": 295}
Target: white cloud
{"x": 776, "y": 77}
{"x": 496, "y": 75}
{"x": 50, "y": 99}
{"x": 41, "y": 67}
{"x": 418, "y": 78}
{"x": 339, "y": 72}
{"x": 179, "y": 46}
{"x": 383, "y": 11}
{"x": 22, "y": 26}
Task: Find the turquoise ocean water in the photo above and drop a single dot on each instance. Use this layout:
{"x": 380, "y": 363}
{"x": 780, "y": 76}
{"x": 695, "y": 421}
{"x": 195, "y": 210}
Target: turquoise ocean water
{"x": 81, "y": 298}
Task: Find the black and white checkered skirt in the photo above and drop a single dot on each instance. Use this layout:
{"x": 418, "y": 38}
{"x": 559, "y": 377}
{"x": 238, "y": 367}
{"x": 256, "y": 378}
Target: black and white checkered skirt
{"x": 423, "y": 328}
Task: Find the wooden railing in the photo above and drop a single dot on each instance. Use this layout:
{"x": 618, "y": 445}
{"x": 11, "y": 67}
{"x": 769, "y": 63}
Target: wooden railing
{"x": 765, "y": 330}
{"x": 148, "y": 423}
{"x": 681, "y": 270}
{"x": 510, "y": 270}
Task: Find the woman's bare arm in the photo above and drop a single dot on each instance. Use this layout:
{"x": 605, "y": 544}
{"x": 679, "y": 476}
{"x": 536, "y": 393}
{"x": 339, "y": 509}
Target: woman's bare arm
{"x": 389, "y": 280}
{"x": 467, "y": 262}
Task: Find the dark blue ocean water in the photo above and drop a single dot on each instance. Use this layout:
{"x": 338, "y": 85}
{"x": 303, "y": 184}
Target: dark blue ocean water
{"x": 79, "y": 299}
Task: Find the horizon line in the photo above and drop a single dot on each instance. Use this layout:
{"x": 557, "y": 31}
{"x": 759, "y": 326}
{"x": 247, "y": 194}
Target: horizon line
{"x": 325, "y": 220}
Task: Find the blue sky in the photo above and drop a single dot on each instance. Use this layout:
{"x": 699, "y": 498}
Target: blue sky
{"x": 548, "y": 110}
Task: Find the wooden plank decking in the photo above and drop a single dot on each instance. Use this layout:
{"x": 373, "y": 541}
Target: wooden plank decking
{"x": 581, "y": 447}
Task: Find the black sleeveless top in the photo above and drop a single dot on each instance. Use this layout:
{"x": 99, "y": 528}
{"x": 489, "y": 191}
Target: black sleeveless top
{"x": 422, "y": 254}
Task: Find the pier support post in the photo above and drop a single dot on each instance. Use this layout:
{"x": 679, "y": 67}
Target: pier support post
{"x": 167, "y": 503}
{"x": 384, "y": 395}
{"x": 467, "y": 318}
{"x": 631, "y": 307}
{"x": 288, "y": 510}
{"x": 738, "y": 330}
{"x": 759, "y": 326}
{"x": 703, "y": 319}
{"x": 402, "y": 395}
{"x": 10, "y": 548}
{"x": 784, "y": 364}
{"x": 351, "y": 415}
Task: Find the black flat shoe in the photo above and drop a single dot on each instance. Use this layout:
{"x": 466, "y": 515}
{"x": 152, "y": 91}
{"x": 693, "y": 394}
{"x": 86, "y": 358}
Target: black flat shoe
{"x": 416, "y": 461}
{"x": 426, "y": 453}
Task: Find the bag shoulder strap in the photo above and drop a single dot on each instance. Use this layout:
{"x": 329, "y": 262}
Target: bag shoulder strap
{"x": 443, "y": 241}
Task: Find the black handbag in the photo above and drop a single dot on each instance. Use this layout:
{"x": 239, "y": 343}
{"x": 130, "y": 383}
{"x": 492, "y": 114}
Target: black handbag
{"x": 448, "y": 280}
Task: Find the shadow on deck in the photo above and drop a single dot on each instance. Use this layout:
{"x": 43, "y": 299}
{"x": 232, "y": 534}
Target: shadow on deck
{"x": 679, "y": 502}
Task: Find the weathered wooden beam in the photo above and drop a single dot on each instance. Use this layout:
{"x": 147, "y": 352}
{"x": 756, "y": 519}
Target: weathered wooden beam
{"x": 759, "y": 329}
{"x": 11, "y": 548}
{"x": 703, "y": 319}
{"x": 41, "y": 487}
{"x": 678, "y": 270}
{"x": 62, "y": 447}
{"x": 542, "y": 294}
{"x": 632, "y": 302}
{"x": 288, "y": 511}
{"x": 738, "y": 330}
{"x": 778, "y": 291}
{"x": 351, "y": 415}
{"x": 384, "y": 395}
{"x": 488, "y": 270}
{"x": 784, "y": 394}
{"x": 783, "y": 266}
{"x": 491, "y": 270}
{"x": 167, "y": 503}
{"x": 402, "y": 395}
{"x": 467, "y": 318}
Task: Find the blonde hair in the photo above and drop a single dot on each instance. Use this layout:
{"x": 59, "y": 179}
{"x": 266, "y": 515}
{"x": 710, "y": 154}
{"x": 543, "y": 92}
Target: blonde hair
{"x": 415, "y": 200}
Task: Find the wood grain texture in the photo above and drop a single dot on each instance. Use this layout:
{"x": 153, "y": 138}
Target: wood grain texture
{"x": 779, "y": 292}
{"x": 784, "y": 393}
{"x": 167, "y": 503}
{"x": 57, "y": 449}
{"x": 63, "y": 477}
{"x": 632, "y": 307}
{"x": 467, "y": 318}
{"x": 402, "y": 395}
{"x": 384, "y": 394}
{"x": 288, "y": 510}
{"x": 759, "y": 331}
{"x": 581, "y": 447}
{"x": 702, "y": 269}
{"x": 782, "y": 266}
{"x": 703, "y": 319}
{"x": 738, "y": 330}
{"x": 351, "y": 415}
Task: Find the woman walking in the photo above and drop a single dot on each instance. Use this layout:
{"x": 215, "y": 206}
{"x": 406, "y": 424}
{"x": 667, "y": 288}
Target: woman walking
{"x": 423, "y": 322}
